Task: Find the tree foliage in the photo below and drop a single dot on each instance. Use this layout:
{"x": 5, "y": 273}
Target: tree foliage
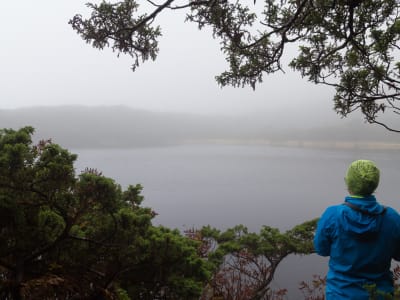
{"x": 245, "y": 262}
{"x": 350, "y": 45}
{"x": 64, "y": 236}
{"x": 68, "y": 236}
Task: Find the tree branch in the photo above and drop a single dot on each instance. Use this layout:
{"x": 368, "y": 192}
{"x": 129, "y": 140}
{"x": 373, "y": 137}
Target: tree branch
{"x": 151, "y": 16}
{"x": 374, "y": 121}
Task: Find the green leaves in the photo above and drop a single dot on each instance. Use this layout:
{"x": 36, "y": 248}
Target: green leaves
{"x": 50, "y": 225}
{"x": 64, "y": 235}
{"x": 132, "y": 195}
{"x": 245, "y": 262}
{"x": 115, "y": 26}
{"x": 14, "y": 150}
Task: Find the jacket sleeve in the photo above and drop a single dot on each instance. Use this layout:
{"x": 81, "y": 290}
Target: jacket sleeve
{"x": 323, "y": 234}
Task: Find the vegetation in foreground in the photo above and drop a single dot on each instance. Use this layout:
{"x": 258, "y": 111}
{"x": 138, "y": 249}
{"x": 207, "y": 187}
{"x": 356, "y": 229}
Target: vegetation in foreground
{"x": 68, "y": 236}
{"x": 83, "y": 237}
{"x": 71, "y": 236}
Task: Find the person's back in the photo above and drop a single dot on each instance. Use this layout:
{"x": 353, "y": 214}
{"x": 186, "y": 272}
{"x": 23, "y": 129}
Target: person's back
{"x": 360, "y": 236}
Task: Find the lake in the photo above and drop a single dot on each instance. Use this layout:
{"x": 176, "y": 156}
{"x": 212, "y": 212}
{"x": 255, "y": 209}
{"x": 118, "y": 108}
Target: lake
{"x": 226, "y": 185}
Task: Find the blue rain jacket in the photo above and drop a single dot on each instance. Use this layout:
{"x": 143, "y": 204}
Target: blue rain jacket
{"x": 360, "y": 245}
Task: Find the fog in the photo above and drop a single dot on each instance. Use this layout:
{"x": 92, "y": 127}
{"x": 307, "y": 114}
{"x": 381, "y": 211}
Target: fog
{"x": 83, "y": 99}
{"x": 118, "y": 127}
{"x": 45, "y": 63}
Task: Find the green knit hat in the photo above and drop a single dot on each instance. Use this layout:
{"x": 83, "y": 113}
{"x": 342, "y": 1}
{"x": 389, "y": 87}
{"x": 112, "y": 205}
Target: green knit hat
{"x": 362, "y": 177}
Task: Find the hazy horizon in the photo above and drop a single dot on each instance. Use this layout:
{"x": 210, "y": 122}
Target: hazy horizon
{"x": 119, "y": 126}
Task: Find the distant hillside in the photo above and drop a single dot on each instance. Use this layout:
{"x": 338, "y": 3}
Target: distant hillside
{"x": 118, "y": 126}
{"x": 94, "y": 127}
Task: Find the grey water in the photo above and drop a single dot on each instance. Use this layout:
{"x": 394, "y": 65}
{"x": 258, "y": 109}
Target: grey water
{"x": 254, "y": 185}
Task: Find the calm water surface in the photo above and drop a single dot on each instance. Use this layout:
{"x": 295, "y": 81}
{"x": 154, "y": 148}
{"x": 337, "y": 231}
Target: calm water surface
{"x": 255, "y": 185}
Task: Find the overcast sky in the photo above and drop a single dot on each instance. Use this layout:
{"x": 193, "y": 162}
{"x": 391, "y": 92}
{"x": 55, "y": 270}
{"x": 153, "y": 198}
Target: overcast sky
{"x": 44, "y": 62}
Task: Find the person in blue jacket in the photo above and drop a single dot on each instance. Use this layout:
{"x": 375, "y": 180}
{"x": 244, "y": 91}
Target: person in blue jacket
{"x": 360, "y": 236}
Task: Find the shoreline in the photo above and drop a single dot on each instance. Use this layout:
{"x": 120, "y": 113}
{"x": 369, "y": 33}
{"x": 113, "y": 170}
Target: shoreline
{"x": 339, "y": 145}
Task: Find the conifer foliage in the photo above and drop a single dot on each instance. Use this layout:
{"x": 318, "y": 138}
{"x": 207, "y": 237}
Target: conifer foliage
{"x": 68, "y": 236}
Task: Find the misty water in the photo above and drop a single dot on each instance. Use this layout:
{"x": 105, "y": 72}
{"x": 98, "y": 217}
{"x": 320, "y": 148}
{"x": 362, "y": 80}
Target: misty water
{"x": 254, "y": 185}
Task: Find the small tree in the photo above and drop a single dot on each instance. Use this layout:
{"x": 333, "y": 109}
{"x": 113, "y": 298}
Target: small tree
{"x": 245, "y": 262}
{"x": 64, "y": 236}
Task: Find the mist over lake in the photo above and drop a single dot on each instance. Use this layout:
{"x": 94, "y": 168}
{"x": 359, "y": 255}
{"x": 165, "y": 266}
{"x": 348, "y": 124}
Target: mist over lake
{"x": 254, "y": 185}
{"x": 222, "y": 170}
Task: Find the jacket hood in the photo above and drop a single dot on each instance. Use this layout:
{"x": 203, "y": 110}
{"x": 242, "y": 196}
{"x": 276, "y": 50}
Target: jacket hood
{"x": 365, "y": 223}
